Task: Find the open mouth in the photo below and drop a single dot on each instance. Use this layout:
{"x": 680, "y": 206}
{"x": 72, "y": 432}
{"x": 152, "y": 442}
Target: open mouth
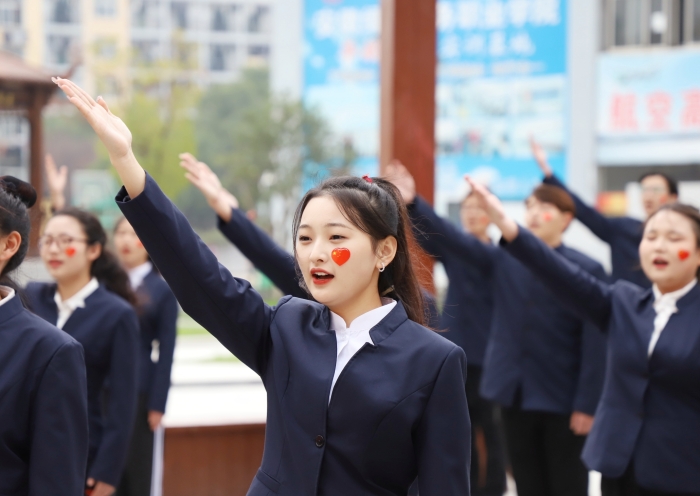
{"x": 55, "y": 263}
{"x": 320, "y": 276}
{"x": 660, "y": 263}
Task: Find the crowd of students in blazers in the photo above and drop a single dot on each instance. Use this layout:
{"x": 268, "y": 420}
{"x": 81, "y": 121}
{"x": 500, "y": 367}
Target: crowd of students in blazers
{"x": 362, "y": 399}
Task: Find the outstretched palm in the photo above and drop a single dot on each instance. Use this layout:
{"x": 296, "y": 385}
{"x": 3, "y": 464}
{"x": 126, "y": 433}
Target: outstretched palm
{"x": 57, "y": 177}
{"x": 206, "y": 180}
{"x": 109, "y": 128}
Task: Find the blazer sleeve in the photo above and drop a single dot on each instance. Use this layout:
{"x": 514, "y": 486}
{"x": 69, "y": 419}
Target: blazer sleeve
{"x": 603, "y": 227}
{"x": 267, "y": 256}
{"x": 440, "y": 238}
{"x": 121, "y": 402}
{"x": 227, "y": 307}
{"x": 59, "y": 439}
{"x": 166, "y": 331}
{"x": 593, "y": 352}
{"x": 584, "y": 293}
{"x": 444, "y": 447}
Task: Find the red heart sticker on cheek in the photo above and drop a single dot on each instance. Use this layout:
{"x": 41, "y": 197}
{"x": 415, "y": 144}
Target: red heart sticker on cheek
{"x": 683, "y": 254}
{"x": 340, "y": 255}
{"x": 547, "y": 217}
{"x": 70, "y": 251}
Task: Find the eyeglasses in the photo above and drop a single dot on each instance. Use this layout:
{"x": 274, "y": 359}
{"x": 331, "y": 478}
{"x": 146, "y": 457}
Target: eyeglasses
{"x": 63, "y": 241}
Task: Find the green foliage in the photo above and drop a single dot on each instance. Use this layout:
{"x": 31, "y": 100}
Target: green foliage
{"x": 258, "y": 143}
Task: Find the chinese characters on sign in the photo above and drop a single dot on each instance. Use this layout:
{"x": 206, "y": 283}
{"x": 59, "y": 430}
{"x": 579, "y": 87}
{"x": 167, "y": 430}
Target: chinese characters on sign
{"x": 501, "y": 79}
{"x": 647, "y": 101}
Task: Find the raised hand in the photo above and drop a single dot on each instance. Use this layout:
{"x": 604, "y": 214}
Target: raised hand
{"x": 112, "y": 132}
{"x": 205, "y": 180}
{"x": 494, "y": 209}
{"x": 399, "y": 176}
{"x": 57, "y": 178}
{"x": 540, "y": 157}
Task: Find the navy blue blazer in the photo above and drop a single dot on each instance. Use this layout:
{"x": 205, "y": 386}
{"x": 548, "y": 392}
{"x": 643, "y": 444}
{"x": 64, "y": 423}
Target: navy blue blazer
{"x": 537, "y": 346}
{"x": 650, "y": 409}
{"x": 108, "y": 330}
{"x": 278, "y": 265}
{"x": 398, "y": 410}
{"x": 157, "y": 311}
{"x": 466, "y": 314}
{"x": 43, "y": 407}
{"x": 623, "y": 234}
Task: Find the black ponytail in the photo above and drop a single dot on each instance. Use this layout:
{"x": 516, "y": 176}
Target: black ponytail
{"x": 375, "y": 207}
{"x": 16, "y": 197}
{"x": 106, "y": 268}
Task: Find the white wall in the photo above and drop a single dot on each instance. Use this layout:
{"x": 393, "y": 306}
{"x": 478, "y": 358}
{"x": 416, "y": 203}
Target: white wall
{"x": 287, "y": 45}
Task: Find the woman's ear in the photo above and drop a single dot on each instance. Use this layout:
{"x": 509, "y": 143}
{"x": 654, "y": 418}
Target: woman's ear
{"x": 9, "y": 246}
{"x": 386, "y": 250}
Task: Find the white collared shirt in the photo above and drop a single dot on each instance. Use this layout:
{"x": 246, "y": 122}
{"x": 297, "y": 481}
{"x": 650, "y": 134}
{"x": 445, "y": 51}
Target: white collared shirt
{"x": 66, "y": 308}
{"x": 7, "y": 294}
{"x": 665, "y": 306}
{"x": 139, "y": 273}
{"x": 351, "y": 339}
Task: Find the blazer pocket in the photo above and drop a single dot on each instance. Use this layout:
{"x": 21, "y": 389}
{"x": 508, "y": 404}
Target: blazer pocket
{"x": 267, "y": 481}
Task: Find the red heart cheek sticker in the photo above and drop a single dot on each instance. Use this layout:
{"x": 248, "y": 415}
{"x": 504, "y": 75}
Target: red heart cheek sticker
{"x": 547, "y": 217}
{"x": 340, "y": 255}
{"x": 683, "y": 254}
{"x": 70, "y": 251}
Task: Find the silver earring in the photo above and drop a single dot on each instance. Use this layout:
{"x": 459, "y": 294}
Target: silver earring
{"x": 383, "y": 267}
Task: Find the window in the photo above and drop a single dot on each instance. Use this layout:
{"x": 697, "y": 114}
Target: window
{"x": 223, "y": 17}
{"x": 259, "y": 51}
{"x": 145, "y": 52}
{"x": 691, "y": 26}
{"x": 59, "y": 49}
{"x": 10, "y": 13}
{"x": 64, "y": 12}
{"x": 179, "y": 15}
{"x": 221, "y": 57}
{"x": 146, "y": 13}
{"x": 258, "y": 20}
{"x": 105, "y": 8}
{"x": 642, "y": 23}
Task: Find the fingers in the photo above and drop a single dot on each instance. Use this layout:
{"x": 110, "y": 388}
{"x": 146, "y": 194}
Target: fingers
{"x": 102, "y": 103}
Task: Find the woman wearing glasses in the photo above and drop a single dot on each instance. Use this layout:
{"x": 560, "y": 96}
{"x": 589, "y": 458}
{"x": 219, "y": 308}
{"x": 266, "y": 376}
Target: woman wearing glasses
{"x": 91, "y": 299}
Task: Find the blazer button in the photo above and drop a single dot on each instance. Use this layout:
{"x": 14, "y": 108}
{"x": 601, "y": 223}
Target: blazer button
{"x": 320, "y": 442}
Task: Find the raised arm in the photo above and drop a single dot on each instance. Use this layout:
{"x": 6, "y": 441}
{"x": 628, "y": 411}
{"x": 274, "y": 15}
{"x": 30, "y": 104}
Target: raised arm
{"x": 600, "y": 225}
{"x": 227, "y": 307}
{"x": 56, "y": 178}
{"x": 581, "y": 290}
{"x": 120, "y": 409}
{"x": 437, "y": 236}
{"x": 254, "y": 243}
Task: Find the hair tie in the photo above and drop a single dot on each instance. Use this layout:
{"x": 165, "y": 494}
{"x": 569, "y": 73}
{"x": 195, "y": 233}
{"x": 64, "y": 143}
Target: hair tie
{"x": 388, "y": 290}
{"x": 367, "y": 178}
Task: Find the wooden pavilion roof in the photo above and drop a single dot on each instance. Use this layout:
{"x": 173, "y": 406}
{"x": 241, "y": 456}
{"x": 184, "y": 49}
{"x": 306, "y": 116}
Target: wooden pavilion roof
{"x": 14, "y": 70}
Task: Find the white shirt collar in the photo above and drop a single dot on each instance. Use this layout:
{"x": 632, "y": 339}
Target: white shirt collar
{"x": 351, "y": 339}
{"x": 7, "y": 294}
{"x": 78, "y": 299}
{"x": 139, "y": 273}
{"x": 673, "y": 296}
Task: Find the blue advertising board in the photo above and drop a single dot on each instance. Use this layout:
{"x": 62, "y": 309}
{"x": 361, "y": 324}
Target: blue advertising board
{"x": 341, "y": 71}
{"x": 501, "y": 79}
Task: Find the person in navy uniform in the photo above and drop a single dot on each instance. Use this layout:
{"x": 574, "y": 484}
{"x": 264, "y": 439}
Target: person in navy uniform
{"x": 466, "y": 321}
{"x": 549, "y": 387}
{"x": 43, "y": 388}
{"x": 646, "y": 434}
{"x": 623, "y": 234}
{"x": 157, "y": 310}
{"x": 254, "y": 243}
{"x": 92, "y": 301}
{"x": 362, "y": 399}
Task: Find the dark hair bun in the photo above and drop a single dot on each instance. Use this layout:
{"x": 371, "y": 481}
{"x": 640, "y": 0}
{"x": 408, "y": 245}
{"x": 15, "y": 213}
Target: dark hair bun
{"x": 25, "y": 192}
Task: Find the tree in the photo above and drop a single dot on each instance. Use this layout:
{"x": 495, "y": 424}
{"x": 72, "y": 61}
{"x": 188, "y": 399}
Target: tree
{"x": 259, "y": 143}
